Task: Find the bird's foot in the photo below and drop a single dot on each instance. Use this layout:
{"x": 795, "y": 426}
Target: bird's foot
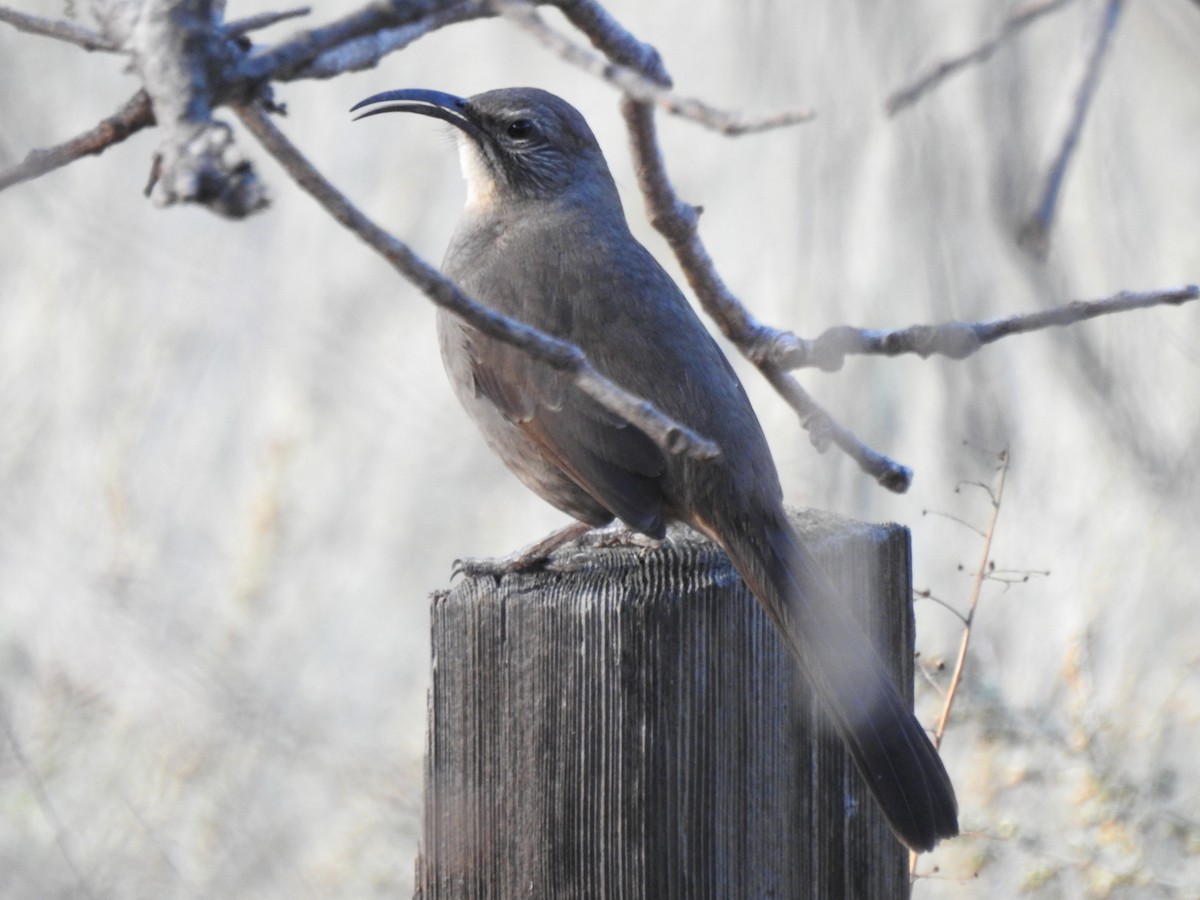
{"x": 538, "y": 556}
{"x": 618, "y": 534}
{"x": 485, "y": 566}
{"x": 530, "y": 559}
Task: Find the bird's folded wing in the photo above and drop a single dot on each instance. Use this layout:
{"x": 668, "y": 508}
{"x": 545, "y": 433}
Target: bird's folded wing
{"x": 613, "y": 461}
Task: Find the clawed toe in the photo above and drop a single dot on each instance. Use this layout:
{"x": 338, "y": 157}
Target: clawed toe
{"x": 497, "y": 566}
{"x": 538, "y": 557}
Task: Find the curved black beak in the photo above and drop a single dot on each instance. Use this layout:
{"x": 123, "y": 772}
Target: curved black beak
{"x": 436, "y": 104}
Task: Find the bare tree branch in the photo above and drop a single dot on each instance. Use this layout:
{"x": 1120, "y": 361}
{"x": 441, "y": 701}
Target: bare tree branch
{"x": 365, "y": 51}
{"x": 1080, "y": 310}
{"x": 1035, "y": 235}
{"x": 610, "y": 38}
{"x": 288, "y": 60}
{"x": 907, "y": 96}
{"x": 823, "y": 430}
{"x": 635, "y": 83}
{"x": 190, "y": 65}
{"x": 135, "y": 115}
{"x": 180, "y": 54}
{"x": 265, "y": 20}
{"x": 58, "y": 29}
{"x": 677, "y": 221}
{"x": 671, "y": 436}
{"x": 959, "y": 340}
{"x": 200, "y": 163}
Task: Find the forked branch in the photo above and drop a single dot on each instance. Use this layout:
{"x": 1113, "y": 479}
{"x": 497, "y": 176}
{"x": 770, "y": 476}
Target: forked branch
{"x": 192, "y": 62}
{"x": 677, "y": 222}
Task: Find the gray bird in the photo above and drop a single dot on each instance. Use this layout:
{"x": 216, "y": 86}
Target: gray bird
{"x": 543, "y": 239}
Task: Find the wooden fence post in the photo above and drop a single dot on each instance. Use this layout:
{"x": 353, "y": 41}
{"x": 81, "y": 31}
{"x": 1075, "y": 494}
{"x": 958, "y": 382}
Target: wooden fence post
{"x": 632, "y": 727}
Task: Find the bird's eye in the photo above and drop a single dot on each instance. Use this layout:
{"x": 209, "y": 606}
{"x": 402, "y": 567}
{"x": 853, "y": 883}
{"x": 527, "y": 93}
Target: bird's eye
{"x": 518, "y": 129}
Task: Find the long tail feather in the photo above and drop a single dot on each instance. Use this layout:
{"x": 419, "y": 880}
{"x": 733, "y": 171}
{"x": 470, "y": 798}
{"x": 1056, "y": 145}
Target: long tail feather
{"x": 890, "y": 748}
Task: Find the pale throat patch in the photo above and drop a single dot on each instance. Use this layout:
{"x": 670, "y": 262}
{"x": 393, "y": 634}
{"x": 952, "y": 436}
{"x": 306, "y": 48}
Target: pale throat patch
{"x": 481, "y": 189}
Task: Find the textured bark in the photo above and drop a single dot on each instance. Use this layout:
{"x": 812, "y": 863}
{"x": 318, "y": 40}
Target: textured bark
{"x": 632, "y": 727}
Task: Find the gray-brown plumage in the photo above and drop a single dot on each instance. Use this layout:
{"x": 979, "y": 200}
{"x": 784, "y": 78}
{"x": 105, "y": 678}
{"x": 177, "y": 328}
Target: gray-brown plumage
{"x": 544, "y": 240}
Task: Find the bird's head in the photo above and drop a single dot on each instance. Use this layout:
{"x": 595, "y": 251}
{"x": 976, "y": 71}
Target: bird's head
{"x": 515, "y": 143}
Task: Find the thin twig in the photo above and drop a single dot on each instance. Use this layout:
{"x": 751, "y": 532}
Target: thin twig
{"x": 676, "y": 221}
{"x": 957, "y": 520}
{"x": 70, "y": 32}
{"x": 641, "y": 86}
{"x": 976, "y": 586}
{"x": 959, "y": 340}
{"x": 1009, "y": 577}
{"x": 365, "y": 51}
{"x": 1080, "y": 310}
{"x": 986, "y": 488}
{"x": 297, "y": 51}
{"x": 287, "y": 61}
{"x": 264, "y": 20}
{"x": 135, "y": 115}
{"x": 671, "y": 436}
{"x": 930, "y": 596}
{"x": 932, "y": 682}
{"x": 1035, "y": 234}
{"x": 907, "y": 96}
{"x": 968, "y": 621}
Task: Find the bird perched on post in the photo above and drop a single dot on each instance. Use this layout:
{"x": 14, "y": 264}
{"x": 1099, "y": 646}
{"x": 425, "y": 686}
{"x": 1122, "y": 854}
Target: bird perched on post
{"x": 543, "y": 239}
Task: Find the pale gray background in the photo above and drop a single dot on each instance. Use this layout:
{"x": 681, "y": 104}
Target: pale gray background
{"x": 231, "y": 472}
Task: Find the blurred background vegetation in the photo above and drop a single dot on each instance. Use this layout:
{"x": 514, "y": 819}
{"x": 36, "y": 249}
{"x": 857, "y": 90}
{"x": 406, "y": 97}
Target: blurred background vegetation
{"x": 231, "y": 471}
